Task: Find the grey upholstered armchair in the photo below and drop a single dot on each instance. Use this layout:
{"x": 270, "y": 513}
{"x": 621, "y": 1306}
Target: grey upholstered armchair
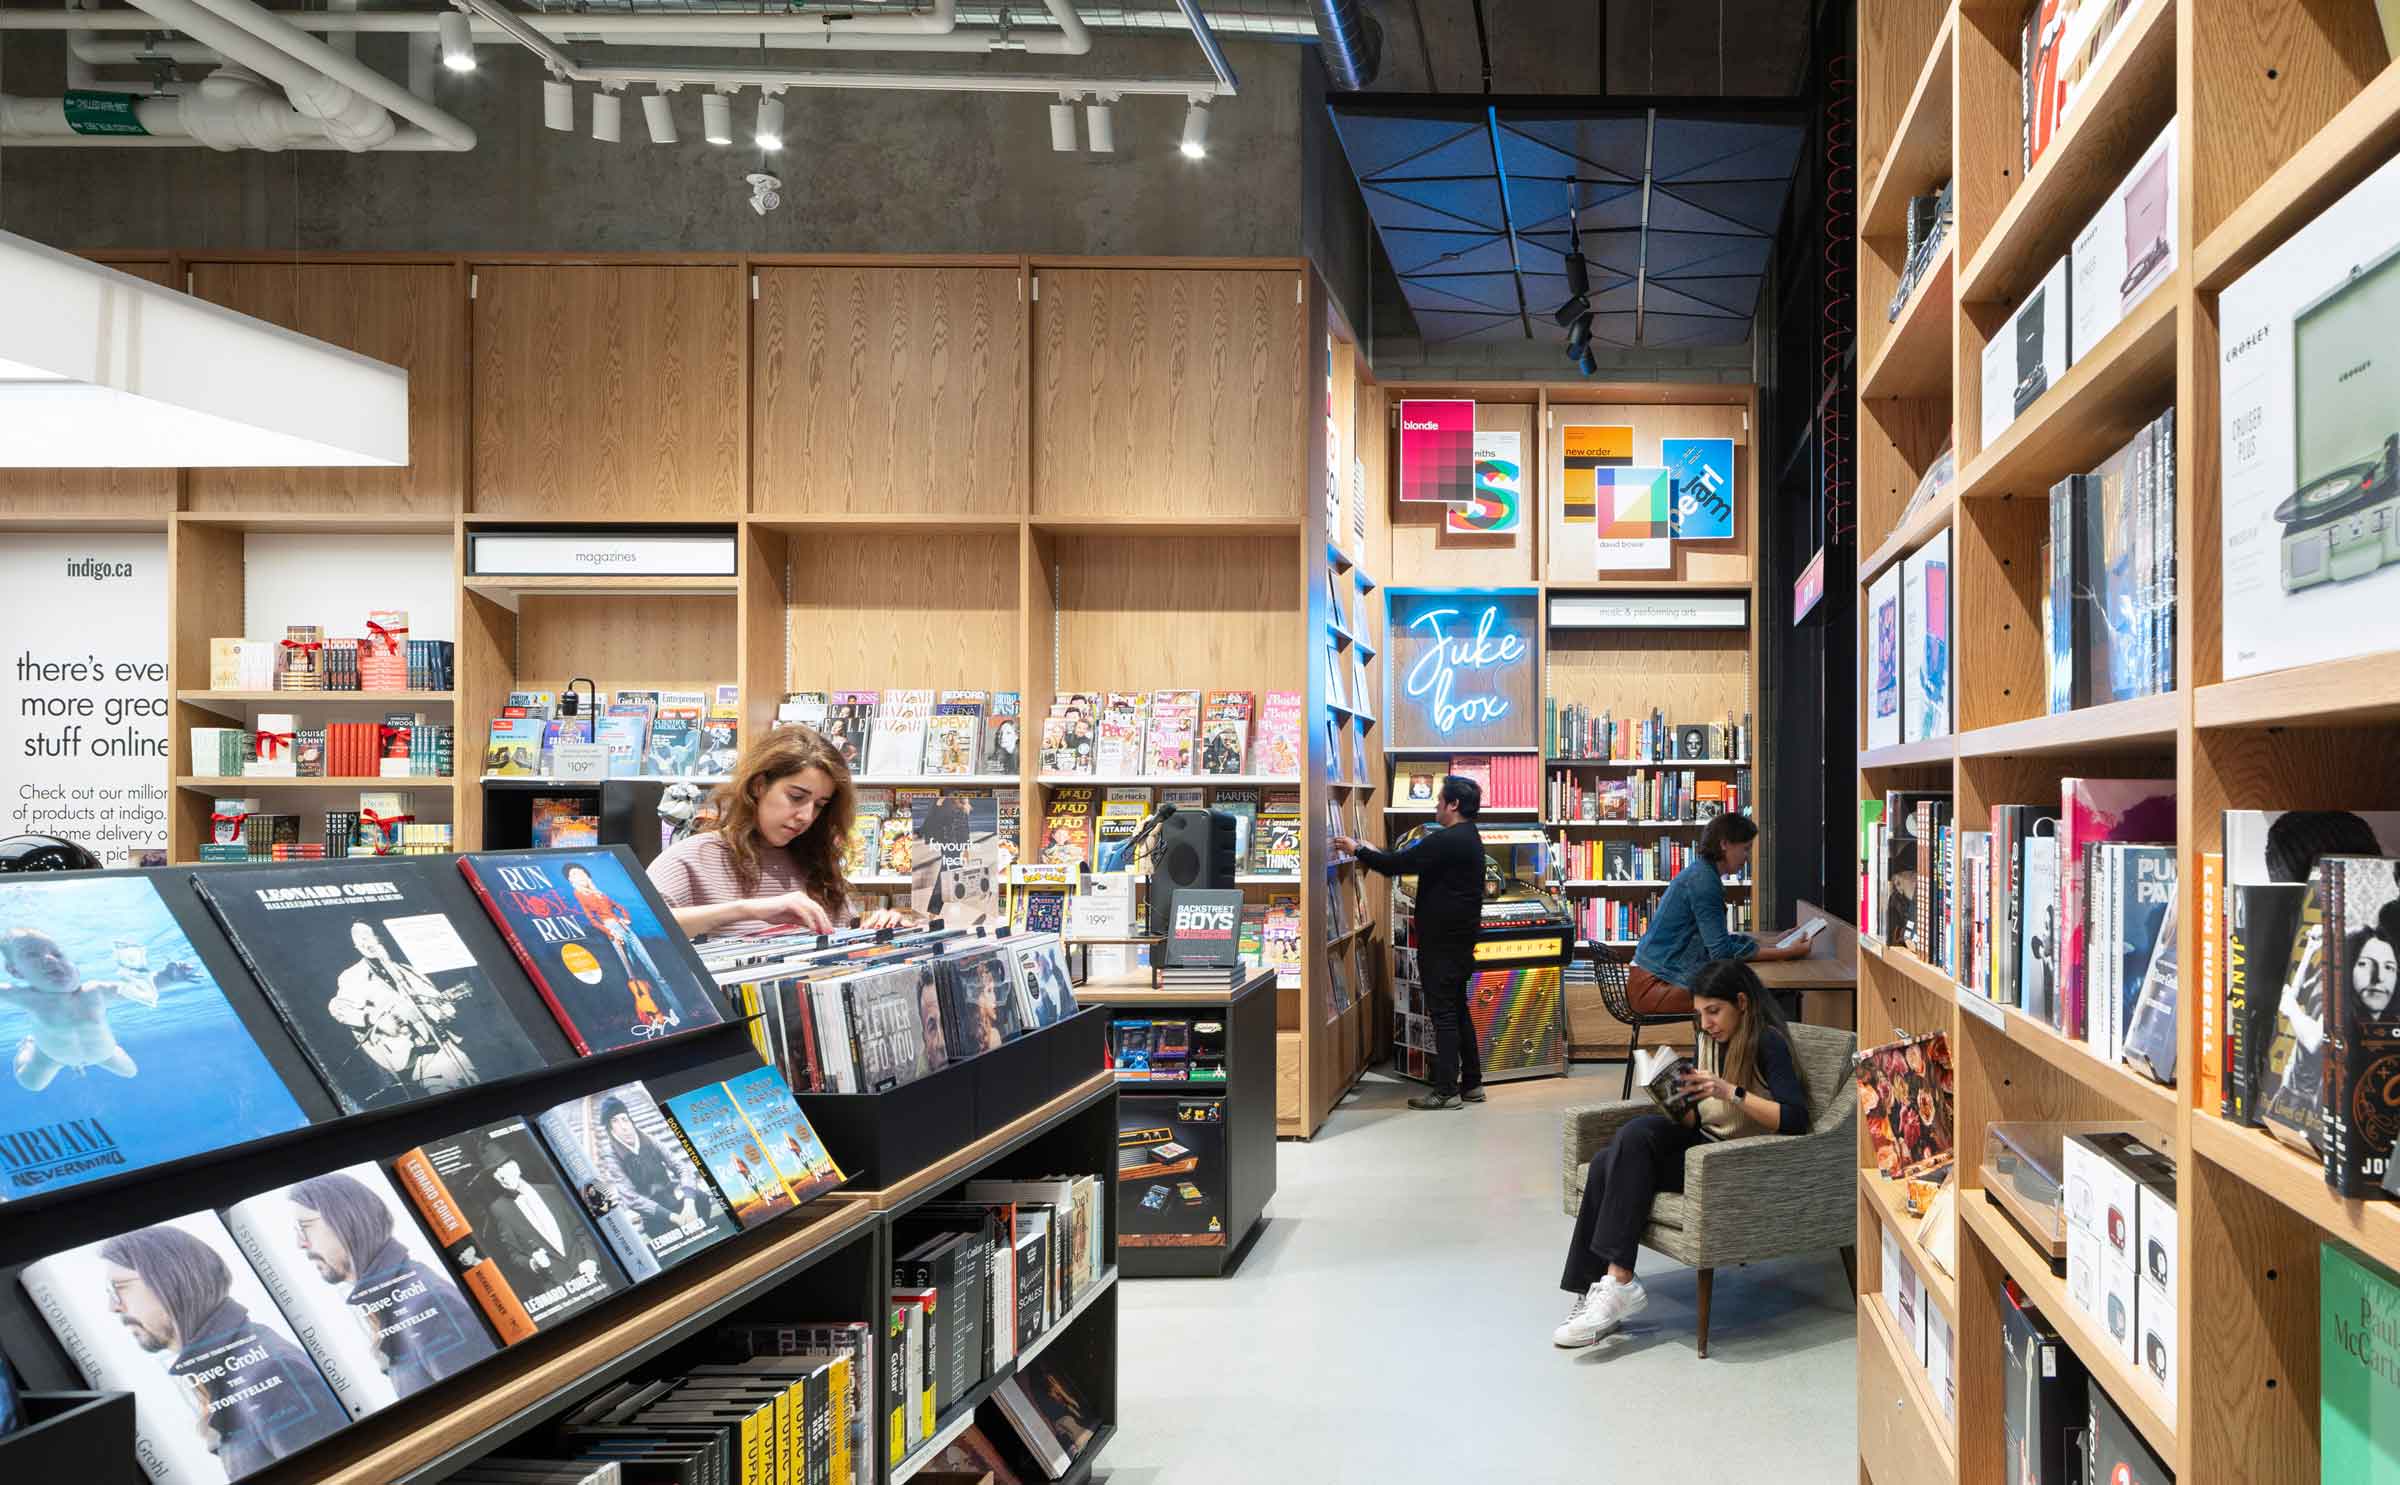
{"x": 1750, "y": 1200}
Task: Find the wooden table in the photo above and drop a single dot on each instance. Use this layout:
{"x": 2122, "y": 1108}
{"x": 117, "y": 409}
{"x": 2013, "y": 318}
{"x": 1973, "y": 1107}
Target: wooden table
{"x": 1830, "y": 968}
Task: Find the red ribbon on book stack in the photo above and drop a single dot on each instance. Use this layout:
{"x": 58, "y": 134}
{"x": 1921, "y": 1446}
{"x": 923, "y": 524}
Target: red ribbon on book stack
{"x": 387, "y": 829}
{"x": 391, "y": 645}
{"x": 238, "y": 821}
{"x": 268, "y": 742}
{"x": 302, "y": 644}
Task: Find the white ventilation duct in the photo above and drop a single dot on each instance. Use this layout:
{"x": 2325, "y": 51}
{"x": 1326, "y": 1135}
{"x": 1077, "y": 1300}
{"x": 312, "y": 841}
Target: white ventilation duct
{"x": 102, "y": 369}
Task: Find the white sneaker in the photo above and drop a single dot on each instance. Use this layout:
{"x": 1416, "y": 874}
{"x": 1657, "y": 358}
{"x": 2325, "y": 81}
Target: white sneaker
{"x": 1606, "y": 1306}
{"x": 1568, "y": 1333}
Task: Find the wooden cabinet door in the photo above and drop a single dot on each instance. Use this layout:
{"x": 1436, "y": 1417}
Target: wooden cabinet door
{"x": 411, "y": 315}
{"x": 115, "y": 492}
{"x": 1169, "y": 392}
{"x": 884, "y": 391}
{"x": 609, "y": 393}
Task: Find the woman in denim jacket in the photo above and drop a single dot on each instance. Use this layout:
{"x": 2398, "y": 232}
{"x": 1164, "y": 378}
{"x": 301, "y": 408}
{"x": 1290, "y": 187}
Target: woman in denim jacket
{"x": 1687, "y": 931}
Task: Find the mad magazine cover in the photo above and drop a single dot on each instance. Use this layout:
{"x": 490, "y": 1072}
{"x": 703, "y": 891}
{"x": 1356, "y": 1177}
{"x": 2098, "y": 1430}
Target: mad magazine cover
{"x": 123, "y": 1050}
{"x": 720, "y": 1139}
{"x": 364, "y": 1291}
{"x": 499, "y": 1209}
{"x": 637, "y": 1182}
{"x": 590, "y": 937}
{"x": 1904, "y": 1099}
{"x": 376, "y": 986}
{"x": 792, "y": 1146}
{"x": 173, "y": 1314}
{"x": 955, "y": 875}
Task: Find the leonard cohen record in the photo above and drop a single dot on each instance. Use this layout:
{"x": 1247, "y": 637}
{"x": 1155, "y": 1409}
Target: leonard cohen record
{"x": 123, "y": 1050}
{"x": 596, "y": 946}
{"x": 173, "y": 1314}
{"x": 366, "y": 1293}
{"x": 726, "y": 1147}
{"x": 380, "y": 991}
{"x": 636, "y": 1180}
{"x": 499, "y": 1209}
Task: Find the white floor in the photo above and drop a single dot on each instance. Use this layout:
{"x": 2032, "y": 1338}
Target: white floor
{"x": 1392, "y": 1325}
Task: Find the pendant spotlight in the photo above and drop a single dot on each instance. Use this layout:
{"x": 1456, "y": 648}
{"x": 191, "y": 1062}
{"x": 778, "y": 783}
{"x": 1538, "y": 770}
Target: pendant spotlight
{"x": 608, "y": 116}
{"x": 458, "y": 41}
{"x": 767, "y": 134}
{"x": 1575, "y": 316}
{"x": 716, "y": 118}
{"x": 1100, "y": 125}
{"x": 1062, "y": 126}
{"x": 659, "y": 114}
{"x": 558, "y": 105}
{"x": 1195, "y": 129}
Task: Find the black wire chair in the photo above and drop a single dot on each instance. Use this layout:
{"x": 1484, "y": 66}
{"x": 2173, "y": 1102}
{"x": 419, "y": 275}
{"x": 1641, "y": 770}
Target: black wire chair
{"x": 1613, "y": 966}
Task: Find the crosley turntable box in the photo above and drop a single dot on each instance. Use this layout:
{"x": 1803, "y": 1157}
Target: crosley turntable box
{"x": 2126, "y": 250}
{"x": 2309, "y": 342}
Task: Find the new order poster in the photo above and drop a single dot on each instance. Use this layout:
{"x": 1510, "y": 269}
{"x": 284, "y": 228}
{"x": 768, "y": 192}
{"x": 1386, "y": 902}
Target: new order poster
{"x": 377, "y": 987}
{"x": 1702, "y": 469}
{"x": 589, "y": 937}
{"x": 123, "y": 1051}
{"x": 1498, "y": 506}
{"x": 1585, "y": 449}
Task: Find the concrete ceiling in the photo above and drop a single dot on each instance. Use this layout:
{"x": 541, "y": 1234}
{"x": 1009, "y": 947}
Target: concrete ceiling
{"x": 1756, "y": 48}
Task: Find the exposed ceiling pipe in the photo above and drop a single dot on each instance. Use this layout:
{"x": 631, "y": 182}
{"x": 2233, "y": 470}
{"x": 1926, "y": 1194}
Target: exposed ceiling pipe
{"x": 902, "y": 82}
{"x": 204, "y": 115}
{"x": 300, "y": 61}
{"x": 1208, "y": 44}
{"x": 1070, "y": 40}
{"x": 667, "y": 29}
{"x": 1349, "y": 43}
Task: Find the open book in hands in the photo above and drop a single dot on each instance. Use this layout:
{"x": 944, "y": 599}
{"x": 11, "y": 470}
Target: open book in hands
{"x": 1805, "y": 933}
{"x": 1659, "y": 1071}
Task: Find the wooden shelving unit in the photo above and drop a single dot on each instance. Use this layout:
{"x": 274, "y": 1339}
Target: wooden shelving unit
{"x": 2279, "y": 106}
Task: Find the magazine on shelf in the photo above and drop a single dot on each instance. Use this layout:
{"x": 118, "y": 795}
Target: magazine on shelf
{"x": 174, "y": 1314}
{"x": 1925, "y": 640}
{"x": 126, "y": 1052}
{"x": 364, "y": 1291}
{"x": 1885, "y": 648}
{"x": 366, "y": 969}
{"x": 1904, "y": 1100}
{"x": 596, "y": 941}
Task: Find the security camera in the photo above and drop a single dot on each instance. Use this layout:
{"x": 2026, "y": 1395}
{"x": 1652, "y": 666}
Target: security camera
{"x": 766, "y": 193}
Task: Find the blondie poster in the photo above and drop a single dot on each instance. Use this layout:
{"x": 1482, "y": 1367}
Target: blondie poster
{"x": 83, "y": 692}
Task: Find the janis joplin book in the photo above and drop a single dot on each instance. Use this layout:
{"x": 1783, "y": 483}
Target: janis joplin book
{"x": 1904, "y": 1099}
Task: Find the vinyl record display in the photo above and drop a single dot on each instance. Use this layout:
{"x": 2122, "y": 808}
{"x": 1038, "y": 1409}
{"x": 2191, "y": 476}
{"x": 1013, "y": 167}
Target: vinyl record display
{"x": 2327, "y": 496}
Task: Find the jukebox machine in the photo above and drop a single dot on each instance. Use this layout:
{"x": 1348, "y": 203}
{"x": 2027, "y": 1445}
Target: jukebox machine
{"x": 1517, "y": 997}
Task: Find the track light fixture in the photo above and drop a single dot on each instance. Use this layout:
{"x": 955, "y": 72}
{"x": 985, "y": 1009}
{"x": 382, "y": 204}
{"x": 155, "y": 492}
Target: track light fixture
{"x": 1585, "y": 364}
{"x": 458, "y": 41}
{"x": 1579, "y": 276}
{"x": 660, "y": 116}
{"x": 1062, "y": 126}
{"x": 608, "y": 116}
{"x": 558, "y": 105}
{"x": 716, "y": 118}
{"x": 768, "y": 132}
{"x": 1195, "y": 129}
{"x": 1100, "y": 126}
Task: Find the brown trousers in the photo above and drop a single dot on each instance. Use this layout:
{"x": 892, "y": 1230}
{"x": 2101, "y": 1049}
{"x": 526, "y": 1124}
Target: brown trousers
{"x": 1651, "y": 996}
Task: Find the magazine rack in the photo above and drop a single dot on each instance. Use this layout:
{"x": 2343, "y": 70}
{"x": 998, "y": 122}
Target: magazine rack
{"x": 877, "y": 1138}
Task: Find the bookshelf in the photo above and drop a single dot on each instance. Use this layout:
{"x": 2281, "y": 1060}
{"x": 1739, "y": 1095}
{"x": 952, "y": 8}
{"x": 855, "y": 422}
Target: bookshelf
{"x": 2278, "y": 107}
{"x": 1594, "y": 646}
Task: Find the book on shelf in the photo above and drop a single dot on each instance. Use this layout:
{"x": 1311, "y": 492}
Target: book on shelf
{"x": 175, "y": 1315}
{"x": 1885, "y": 649}
{"x": 722, "y": 1144}
{"x": 496, "y": 1205}
{"x": 2062, "y": 45}
{"x": 1925, "y": 639}
{"x": 364, "y": 968}
{"x": 2308, "y": 443}
{"x": 594, "y": 941}
{"x": 365, "y": 1293}
{"x": 2358, "y": 1397}
{"x": 1905, "y": 1101}
{"x": 2093, "y": 811}
{"x": 639, "y": 1186}
{"x": 2133, "y": 901}
{"x": 774, "y": 1119}
{"x": 2111, "y": 577}
{"x": 1050, "y": 1415}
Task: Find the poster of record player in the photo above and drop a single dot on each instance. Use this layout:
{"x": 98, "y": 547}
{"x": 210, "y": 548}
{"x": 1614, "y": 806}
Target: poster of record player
{"x": 2309, "y": 439}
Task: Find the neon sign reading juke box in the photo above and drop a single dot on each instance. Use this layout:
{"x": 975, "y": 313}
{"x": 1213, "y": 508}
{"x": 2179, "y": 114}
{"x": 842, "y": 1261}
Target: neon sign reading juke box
{"x": 1464, "y": 668}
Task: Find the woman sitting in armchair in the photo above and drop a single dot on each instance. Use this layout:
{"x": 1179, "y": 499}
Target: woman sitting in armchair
{"x": 1747, "y": 1083}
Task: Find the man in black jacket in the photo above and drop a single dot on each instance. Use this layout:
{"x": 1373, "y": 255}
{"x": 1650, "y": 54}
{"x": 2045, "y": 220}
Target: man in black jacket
{"x": 1448, "y": 864}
